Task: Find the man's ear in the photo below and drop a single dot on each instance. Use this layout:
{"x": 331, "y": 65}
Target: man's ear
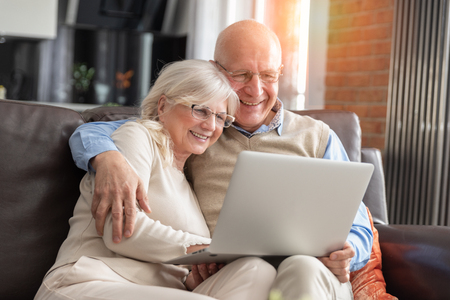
{"x": 161, "y": 107}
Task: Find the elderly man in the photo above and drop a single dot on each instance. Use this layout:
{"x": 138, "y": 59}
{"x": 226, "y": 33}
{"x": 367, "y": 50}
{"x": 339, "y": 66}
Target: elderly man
{"x": 250, "y": 55}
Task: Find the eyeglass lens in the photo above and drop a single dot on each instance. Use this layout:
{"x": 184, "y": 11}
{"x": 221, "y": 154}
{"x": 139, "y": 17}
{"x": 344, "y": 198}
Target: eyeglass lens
{"x": 203, "y": 113}
{"x": 246, "y": 75}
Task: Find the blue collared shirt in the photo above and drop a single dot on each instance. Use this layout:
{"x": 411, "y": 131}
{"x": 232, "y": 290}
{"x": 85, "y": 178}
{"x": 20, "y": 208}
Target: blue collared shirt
{"x": 93, "y": 138}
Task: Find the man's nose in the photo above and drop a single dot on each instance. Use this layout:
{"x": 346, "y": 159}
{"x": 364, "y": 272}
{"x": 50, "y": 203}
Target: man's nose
{"x": 254, "y": 86}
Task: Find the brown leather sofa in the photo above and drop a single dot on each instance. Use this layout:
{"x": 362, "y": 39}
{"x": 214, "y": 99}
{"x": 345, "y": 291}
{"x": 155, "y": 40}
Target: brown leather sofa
{"x": 39, "y": 188}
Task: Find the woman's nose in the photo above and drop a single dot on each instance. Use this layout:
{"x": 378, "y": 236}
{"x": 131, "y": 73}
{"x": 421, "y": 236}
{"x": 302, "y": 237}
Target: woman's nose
{"x": 210, "y": 123}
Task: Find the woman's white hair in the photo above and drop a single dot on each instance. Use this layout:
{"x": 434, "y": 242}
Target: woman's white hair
{"x": 184, "y": 82}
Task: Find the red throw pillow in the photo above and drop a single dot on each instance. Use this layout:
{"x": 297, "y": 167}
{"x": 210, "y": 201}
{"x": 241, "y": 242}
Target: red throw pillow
{"x": 368, "y": 283}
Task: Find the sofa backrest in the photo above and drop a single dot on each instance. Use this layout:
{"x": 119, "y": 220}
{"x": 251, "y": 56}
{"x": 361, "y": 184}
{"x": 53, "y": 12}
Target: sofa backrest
{"x": 39, "y": 186}
{"x": 344, "y": 123}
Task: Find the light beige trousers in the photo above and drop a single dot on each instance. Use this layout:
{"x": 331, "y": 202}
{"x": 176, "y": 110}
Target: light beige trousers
{"x": 302, "y": 277}
{"x": 245, "y": 278}
{"x": 298, "y": 278}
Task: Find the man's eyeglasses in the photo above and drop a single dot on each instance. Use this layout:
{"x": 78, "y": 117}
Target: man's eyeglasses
{"x": 245, "y": 76}
{"x": 201, "y": 112}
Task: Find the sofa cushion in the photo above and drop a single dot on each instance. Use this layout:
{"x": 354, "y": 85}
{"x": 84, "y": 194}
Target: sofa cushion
{"x": 38, "y": 190}
{"x": 368, "y": 283}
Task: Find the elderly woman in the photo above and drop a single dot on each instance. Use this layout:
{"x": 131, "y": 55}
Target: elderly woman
{"x": 184, "y": 113}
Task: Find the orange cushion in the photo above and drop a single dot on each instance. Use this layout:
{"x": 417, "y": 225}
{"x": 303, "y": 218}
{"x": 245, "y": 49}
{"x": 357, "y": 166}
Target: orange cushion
{"x": 368, "y": 283}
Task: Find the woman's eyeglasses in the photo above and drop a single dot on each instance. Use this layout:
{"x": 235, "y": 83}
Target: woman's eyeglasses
{"x": 201, "y": 112}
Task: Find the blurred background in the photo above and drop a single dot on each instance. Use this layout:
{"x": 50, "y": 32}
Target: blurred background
{"x": 110, "y": 51}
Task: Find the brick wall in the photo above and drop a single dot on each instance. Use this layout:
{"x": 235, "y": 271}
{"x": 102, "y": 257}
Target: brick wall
{"x": 359, "y": 45}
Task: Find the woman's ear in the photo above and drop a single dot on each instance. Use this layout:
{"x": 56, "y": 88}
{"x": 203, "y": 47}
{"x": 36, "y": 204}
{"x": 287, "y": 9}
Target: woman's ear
{"x": 161, "y": 107}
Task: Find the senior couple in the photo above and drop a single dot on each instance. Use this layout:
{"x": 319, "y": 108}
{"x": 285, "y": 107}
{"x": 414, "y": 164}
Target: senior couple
{"x": 149, "y": 159}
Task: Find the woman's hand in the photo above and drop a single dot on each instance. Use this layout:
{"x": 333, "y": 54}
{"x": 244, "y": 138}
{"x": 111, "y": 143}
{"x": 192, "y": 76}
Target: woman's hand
{"x": 194, "y": 248}
{"x": 200, "y": 273}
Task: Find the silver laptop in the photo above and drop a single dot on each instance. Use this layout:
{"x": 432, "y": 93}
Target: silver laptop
{"x": 283, "y": 205}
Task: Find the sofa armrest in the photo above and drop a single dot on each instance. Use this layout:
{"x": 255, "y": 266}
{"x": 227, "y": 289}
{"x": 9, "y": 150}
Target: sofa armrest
{"x": 375, "y": 196}
{"x": 416, "y": 260}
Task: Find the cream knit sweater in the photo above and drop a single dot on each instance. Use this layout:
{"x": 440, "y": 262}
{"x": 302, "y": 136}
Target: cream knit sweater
{"x": 175, "y": 223}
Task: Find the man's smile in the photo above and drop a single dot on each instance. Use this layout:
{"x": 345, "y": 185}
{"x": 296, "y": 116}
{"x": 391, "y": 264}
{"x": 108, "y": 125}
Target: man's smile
{"x": 249, "y": 103}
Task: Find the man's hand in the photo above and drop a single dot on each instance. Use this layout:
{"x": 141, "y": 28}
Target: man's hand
{"x": 117, "y": 186}
{"x": 339, "y": 262}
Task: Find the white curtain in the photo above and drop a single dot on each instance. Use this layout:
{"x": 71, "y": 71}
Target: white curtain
{"x": 203, "y": 20}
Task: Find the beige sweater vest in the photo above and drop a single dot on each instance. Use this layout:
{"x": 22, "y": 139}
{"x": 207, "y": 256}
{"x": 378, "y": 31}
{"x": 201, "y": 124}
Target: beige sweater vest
{"x": 210, "y": 172}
